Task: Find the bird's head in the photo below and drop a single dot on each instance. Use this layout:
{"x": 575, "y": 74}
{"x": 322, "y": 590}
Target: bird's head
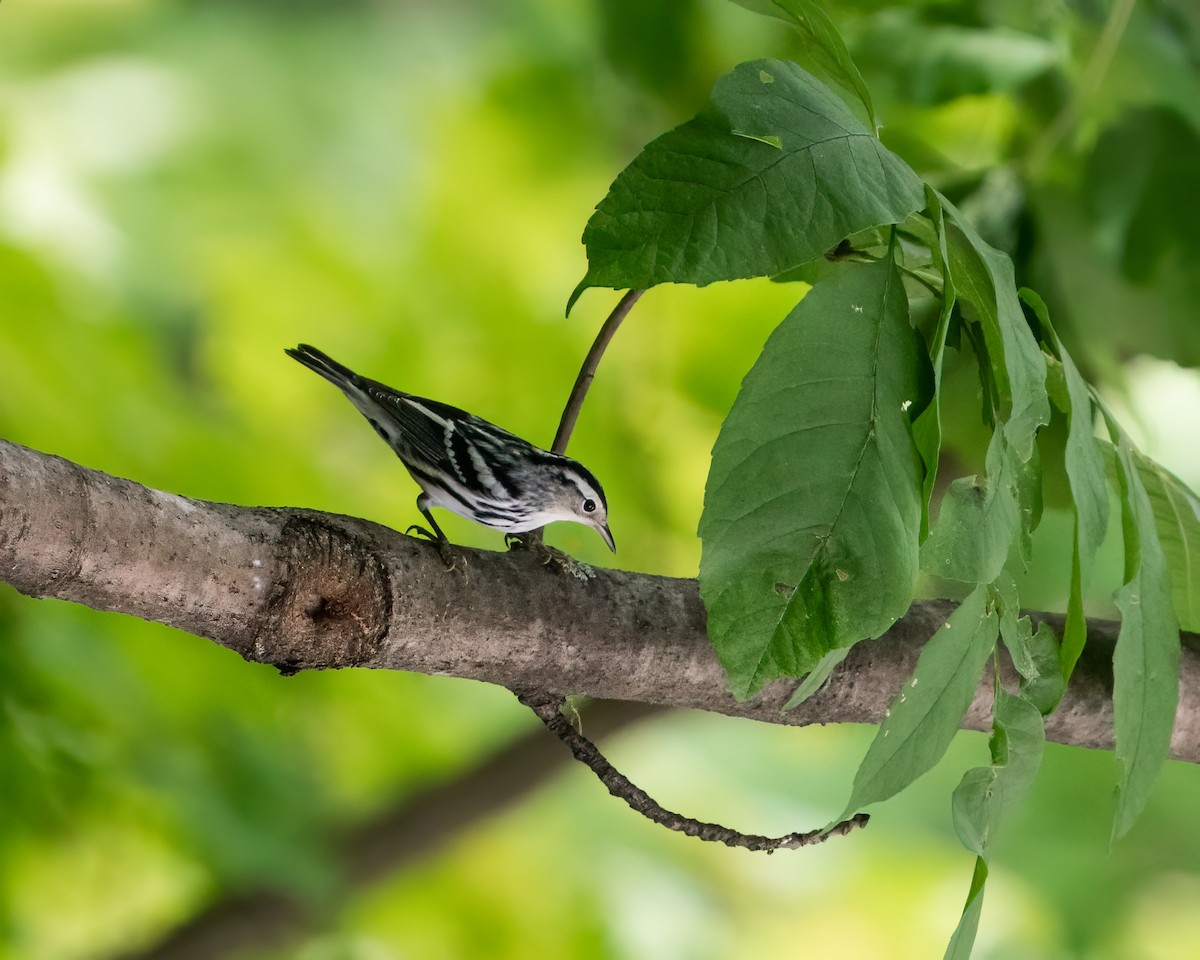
{"x": 577, "y": 496}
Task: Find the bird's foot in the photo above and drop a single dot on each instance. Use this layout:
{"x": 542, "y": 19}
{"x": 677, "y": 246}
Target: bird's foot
{"x": 445, "y": 551}
{"x": 548, "y": 555}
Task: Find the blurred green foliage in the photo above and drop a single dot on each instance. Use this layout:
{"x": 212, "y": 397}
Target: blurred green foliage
{"x": 188, "y": 187}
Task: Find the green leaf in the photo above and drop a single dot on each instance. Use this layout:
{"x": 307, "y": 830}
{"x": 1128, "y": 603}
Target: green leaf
{"x": 964, "y": 934}
{"x": 1027, "y": 488}
{"x": 978, "y": 522}
{"x": 986, "y": 793}
{"x": 1146, "y": 661}
{"x": 927, "y": 428}
{"x": 1045, "y": 689}
{"x": 1086, "y": 478}
{"x": 817, "y": 677}
{"x": 822, "y": 42}
{"x": 983, "y": 277}
{"x": 1177, "y": 519}
{"x": 812, "y": 507}
{"x": 924, "y": 717}
{"x": 710, "y": 200}
{"x": 1015, "y": 630}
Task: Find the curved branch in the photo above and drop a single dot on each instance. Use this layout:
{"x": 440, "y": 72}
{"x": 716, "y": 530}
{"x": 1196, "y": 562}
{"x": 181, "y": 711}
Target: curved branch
{"x": 300, "y": 589}
{"x": 587, "y": 372}
{"x": 548, "y": 708}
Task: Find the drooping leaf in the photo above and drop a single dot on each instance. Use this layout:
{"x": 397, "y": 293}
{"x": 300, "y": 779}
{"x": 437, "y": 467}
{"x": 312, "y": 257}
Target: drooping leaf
{"x": 1045, "y": 689}
{"x": 775, "y": 172}
{"x": 968, "y": 925}
{"x": 927, "y": 428}
{"x": 978, "y": 522}
{"x": 1027, "y": 488}
{"x": 985, "y": 793}
{"x": 1146, "y": 661}
{"x": 822, "y": 42}
{"x": 1177, "y": 519}
{"x": 812, "y": 507}
{"x": 924, "y": 717}
{"x": 1015, "y": 630}
{"x": 1086, "y": 478}
{"x": 983, "y": 277}
{"x": 817, "y": 677}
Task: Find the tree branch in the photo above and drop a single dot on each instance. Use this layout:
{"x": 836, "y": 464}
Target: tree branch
{"x": 300, "y": 589}
{"x": 548, "y": 708}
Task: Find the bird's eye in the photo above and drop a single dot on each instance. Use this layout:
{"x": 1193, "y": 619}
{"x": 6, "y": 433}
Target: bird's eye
{"x": 589, "y": 505}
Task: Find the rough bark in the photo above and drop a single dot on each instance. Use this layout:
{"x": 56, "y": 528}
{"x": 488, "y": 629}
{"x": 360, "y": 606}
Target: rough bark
{"x": 300, "y": 589}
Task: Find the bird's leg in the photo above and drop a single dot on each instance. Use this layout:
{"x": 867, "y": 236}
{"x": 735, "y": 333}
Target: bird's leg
{"x": 548, "y": 554}
{"x": 437, "y": 537}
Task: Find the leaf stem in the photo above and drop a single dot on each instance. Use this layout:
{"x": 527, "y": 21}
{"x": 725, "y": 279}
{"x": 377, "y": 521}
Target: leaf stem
{"x": 587, "y": 372}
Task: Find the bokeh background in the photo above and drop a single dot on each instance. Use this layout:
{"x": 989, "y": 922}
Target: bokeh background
{"x": 189, "y": 186}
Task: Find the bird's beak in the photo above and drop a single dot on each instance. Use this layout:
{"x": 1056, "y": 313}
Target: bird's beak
{"x": 607, "y": 535}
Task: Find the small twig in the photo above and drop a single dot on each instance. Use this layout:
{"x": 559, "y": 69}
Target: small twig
{"x": 547, "y": 706}
{"x": 587, "y": 372}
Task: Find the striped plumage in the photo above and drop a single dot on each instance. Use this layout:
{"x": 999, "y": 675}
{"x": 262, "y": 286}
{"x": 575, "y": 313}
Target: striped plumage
{"x": 467, "y": 465}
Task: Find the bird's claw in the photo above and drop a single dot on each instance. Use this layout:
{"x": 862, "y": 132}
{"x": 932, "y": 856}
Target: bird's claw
{"x": 550, "y": 555}
{"x": 443, "y": 546}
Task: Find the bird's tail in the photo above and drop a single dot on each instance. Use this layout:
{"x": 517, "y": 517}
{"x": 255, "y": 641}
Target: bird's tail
{"x": 325, "y": 365}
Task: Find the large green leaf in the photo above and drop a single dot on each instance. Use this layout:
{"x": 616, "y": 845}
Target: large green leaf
{"x": 775, "y": 172}
{"x": 823, "y": 44}
{"x": 1177, "y": 518}
{"x": 813, "y": 504}
{"x": 924, "y": 717}
{"x": 1146, "y": 661}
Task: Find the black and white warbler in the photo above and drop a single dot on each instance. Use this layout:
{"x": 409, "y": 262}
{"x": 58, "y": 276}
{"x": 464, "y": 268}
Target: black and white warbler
{"x": 467, "y": 465}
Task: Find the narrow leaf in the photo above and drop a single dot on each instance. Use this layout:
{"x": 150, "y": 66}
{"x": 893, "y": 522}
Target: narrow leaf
{"x": 1146, "y": 661}
{"x": 817, "y": 678}
{"x": 812, "y": 507}
{"x": 983, "y": 277}
{"x": 968, "y": 925}
{"x": 924, "y": 717}
{"x": 1177, "y": 519}
{"x": 1015, "y": 630}
{"x": 775, "y": 172}
{"x": 1086, "y": 478}
{"x": 927, "y": 428}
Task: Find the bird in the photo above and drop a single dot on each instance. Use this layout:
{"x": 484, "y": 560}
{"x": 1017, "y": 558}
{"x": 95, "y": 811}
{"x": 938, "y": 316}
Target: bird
{"x": 467, "y": 465}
